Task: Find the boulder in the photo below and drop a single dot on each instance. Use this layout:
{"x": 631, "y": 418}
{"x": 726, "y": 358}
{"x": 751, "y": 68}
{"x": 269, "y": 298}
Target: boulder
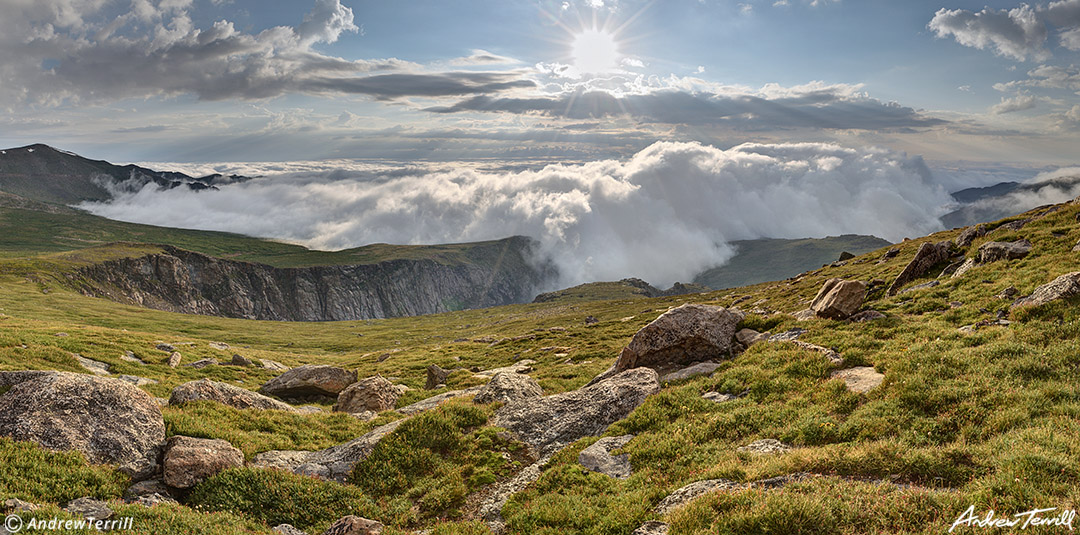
{"x": 765, "y": 446}
{"x": 354, "y": 525}
{"x": 240, "y": 360}
{"x": 928, "y": 256}
{"x": 226, "y": 394}
{"x": 701, "y": 368}
{"x": 598, "y": 458}
{"x": 805, "y": 315}
{"x": 286, "y": 460}
{"x": 310, "y": 380}
{"x": 692, "y": 491}
{"x": 89, "y": 508}
{"x": 336, "y": 462}
{"x": 837, "y": 299}
{"x": 965, "y": 267}
{"x": 845, "y": 256}
{"x": 749, "y": 337}
{"x": 273, "y": 365}
{"x": 997, "y": 250}
{"x": 1007, "y": 293}
{"x": 374, "y": 394}
{"x": 202, "y": 363}
{"x": 12, "y": 378}
{"x": 683, "y": 335}
{"x": 174, "y": 359}
{"x": 436, "y": 376}
{"x": 188, "y": 461}
{"x": 1063, "y": 287}
{"x": 860, "y": 379}
{"x": 970, "y": 234}
{"x": 834, "y": 358}
{"x": 108, "y": 420}
{"x": 551, "y": 422}
{"x": 509, "y": 386}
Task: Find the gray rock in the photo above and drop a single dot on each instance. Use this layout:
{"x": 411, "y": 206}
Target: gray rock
{"x": 354, "y": 525}
{"x": 652, "y": 527}
{"x": 12, "y": 378}
{"x": 765, "y": 446}
{"x": 837, "y": 299}
{"x": 108, "y": 420}
{"x": 860, "y": 379}
{"x": 189, "y": 460}
{"x": 89, "y": 508}
{"x": 240, "y": 360}
{"x": 995, "y": 251}
{"x": 200, "y": 364}
{"x": 701, "y": 368}
{"x": 136, "y": 380}
{"x": 373, "y": 394}
{"x": 226, "y": 394}
{"x": 1076, "y": 248}
{"x": 866, "y": 315}
{"x": 128, "y": 356}
{"x": 491, "y": 506}
{"x": 683, "y": 335}
{"x": 786, "y": 336}
{"x": 436, "y": 376}
{"x": 805, "y": 315}
{"x": 717, "y": 397}
{"x": 519, "y": 367}
{"x": 273, "y": 365}
{"x": 286, "y": 460}
{"x": 336, "y": 462}
{"x": 146, "y": 488}
{"x": 693, "y": 491}
{"x": 153, "y": 500}
{"x": 92, "y": 366}
{"x": 15, "y": 505}
{"x": 174, "y": 359}
{"x": 310, "y": 380}
{"x": 1063, "y": 287}
{"x": 1008, "y": 293}
{"x": 287, "y": 529}
{"x": 434, "y": 401}
{"x": 970, "y": 234}
{"x": 928, "y": 256}
{"x": 749, "y": 337}
{"x": 964, "y": 268}
{"x": 598, "y": 458}
{"x": 551, "y": 422}
{"x": 168, "y": 348}
{"x": 923, "y": 286}
{"x": 221, "y": 346}
{"x": 509, "y": 386}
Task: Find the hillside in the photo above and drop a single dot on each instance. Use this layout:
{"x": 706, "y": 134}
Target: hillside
{"x": 770, "y": 259}
{"x": 978, "y": 407}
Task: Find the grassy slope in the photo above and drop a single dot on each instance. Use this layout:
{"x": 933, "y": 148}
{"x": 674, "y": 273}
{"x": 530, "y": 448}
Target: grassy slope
{"x": 988, "y": 419}
{"x": 769, "y": 259}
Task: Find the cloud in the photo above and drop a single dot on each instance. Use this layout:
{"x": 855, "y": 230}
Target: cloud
{"x": 601, "y": 220}
{"x": 483, "y": 57}
{"x": 1046, "y": 77}
{"x": 156, "y": 50}
{"x": 1017, "y": 103}
{"x": 1015, "y": 33}
{"x": 814, "y": 105}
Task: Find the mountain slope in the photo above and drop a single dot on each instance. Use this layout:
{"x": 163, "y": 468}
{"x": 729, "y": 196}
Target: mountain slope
{"x": 769, "y": 259}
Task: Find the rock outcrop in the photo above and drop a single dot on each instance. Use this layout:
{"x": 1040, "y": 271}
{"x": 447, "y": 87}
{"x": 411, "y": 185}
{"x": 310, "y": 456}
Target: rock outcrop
{"x": 226, "y": 394}
{"x": 598, "y": 458}
{"x": 189, "y": 461}
{"x": 108, "y": 420}
{"x": 1063, "y": 287}
{"x": 490, "y": 274}
{"x": 549, "y": 423}
{"x": 336, "y": 462}
{"x": 507, "y": 387}
{"x": 683, "y": 335}
{"x": 310, "y": 380}
{"x": 970, "y": 234}
{"x": 838, "y": 299}
{"x": 375, "y": 394}
{"x": 996, "y": 250}
{"x": 928, "y": 256}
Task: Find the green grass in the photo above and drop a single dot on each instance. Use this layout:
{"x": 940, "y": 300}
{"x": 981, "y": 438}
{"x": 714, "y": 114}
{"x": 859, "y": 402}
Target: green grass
{"x": 31, "y": 473}
{"x": 987, "y": 419}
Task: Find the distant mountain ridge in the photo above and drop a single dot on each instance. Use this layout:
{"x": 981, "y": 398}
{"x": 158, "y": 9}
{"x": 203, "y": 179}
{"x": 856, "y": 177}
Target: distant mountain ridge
{"x": 43, "y": 173}
{"x": 982, "y": 205}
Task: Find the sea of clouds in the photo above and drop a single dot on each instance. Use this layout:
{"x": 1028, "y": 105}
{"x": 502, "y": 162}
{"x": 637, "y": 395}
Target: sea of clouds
{"x": 665, "y": 214}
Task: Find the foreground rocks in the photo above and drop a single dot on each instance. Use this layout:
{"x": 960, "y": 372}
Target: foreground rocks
{"x": 1063, "y": 287}
{"x": 928, "y": 256}
{"x": 598, "y": 457}
{"x": 89, "y": 508}
{"x": 188, "y": 461}
{"x": 108, "y": 420}
{"x": 375, "y": 394}
{"x": 691, "y": 492}
{"x": 226, "y": 394}
{"x": 509, "y": 386}
{"x": 838, "y": 299}
{"x": 310, "y": 380}
{"x": 995, "y": 251}
{"x": 683, "y": 335}
{"x": 336, "y": 462}
{"x": 549, "y": 423}
{"x": 354, "y": 525}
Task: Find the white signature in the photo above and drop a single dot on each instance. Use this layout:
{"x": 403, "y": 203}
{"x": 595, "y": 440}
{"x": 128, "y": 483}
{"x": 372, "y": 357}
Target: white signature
{"x": 1033, "y": 517}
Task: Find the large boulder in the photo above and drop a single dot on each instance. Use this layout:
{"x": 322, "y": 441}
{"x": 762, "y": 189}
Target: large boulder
{"x": 683, "y": 335}
{"x": 970, "y": 234}
{"x": 189, "y": 461}
{"x": 507, "y": 387}
{"x": 336, "y": 462}
{"x": 226, "y": 394}
{"x": 928, "y": 256}
{"x": 375, "y": 394}
{"x": 549, "y": 423}
{"x": 310, "y": 380}
{"x": 999, "y": 250}
{"x": 838, "y": 299}
{"x": 436, "y": 376}
{"x": 1063, "y": 287}
{"x": 108, "y": 420}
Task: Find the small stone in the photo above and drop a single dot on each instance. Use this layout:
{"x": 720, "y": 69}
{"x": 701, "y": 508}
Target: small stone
{"x": 200, "y": 364}
{"x": 590, "y": 320}
{"x": 128, "y": 356}
{"x": 866, "y": 315}
{"x": 652, "y": 527}
{"x": 765, "y": 446}
{"x": 273, "y": 365}
{"x": 93, "y": 366}
{"x": 144, "y": 488}
{"x": 693, "y": 491}
{"x": 805, "y": 315}
{"x": 240, "y": 360}
{"x": 219, "y": 345}
{"x": 168, "y": 348}
{"x": 89, "y": 508}
{"x": 136, "y": 380}
{"x": 15, "y": 505}
{"x": 1008, "y": 293}
{"x": 61, "y": 335}
{"x": 790, "y": 334}
{"x": 354, "y": 525}
{"x": 153, "y": 500}
{"x": 717, "y": 397}
{"x": 749, "y": 337}
{"x": 287, "y": 529}
{"x": 174, "y": 359}
{"x": 436, "y": 376}
{"x": 860, "y": 379}
{"x": 923, "y": 286}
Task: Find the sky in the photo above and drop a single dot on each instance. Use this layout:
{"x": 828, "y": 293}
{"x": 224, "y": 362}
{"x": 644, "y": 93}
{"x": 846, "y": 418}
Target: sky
{"x": 629, "y": 138}
{"x": 537, "y": 80}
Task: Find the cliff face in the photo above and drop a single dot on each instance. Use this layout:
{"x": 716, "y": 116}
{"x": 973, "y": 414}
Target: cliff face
{"x": 182, "y": 281}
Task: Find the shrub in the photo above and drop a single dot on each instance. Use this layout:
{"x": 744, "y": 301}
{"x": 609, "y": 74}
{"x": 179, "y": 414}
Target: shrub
{"x": 32, "y": 473}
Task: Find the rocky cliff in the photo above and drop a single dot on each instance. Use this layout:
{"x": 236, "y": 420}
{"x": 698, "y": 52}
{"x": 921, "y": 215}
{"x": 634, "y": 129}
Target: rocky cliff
{"x": 496, "y": 273}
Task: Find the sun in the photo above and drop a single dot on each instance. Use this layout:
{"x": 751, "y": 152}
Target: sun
{"x": 595, "y": 51}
